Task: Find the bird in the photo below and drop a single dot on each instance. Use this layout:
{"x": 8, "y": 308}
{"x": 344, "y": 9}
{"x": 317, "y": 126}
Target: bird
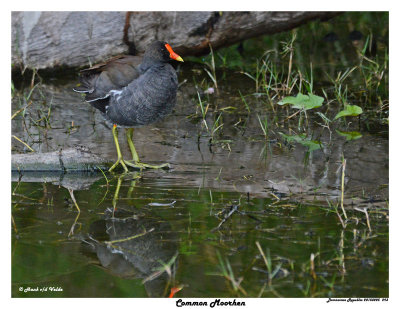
{"x": 132, "y": 91}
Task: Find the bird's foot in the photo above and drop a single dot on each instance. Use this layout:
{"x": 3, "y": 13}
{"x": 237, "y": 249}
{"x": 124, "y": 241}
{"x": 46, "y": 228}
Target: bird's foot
{"x": 119, "y": 161}
{"x": 142, "y": 166}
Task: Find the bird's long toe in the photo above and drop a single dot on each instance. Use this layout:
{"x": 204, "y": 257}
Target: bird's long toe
{"x": 142, "y": 166}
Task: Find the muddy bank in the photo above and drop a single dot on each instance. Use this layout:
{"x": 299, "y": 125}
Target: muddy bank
{"x": 235, "y": 160}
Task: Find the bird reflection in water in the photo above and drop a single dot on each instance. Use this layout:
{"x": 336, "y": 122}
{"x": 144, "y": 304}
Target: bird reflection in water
{"x": 135, "y": 244}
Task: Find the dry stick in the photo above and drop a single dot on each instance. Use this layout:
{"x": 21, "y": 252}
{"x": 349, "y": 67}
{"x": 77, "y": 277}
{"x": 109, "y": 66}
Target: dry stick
{"x": 340, "y": 218}
{"x": 364, "y": 210}
{"x": 262, "y": 290}
{"x": 33, "y": 78}
{"x": 341, "y": 259}
{"x": 71, "y": 193}
{"x": 18, "y": 183}
{"x": 289, "y": 70}
{"x": 292, "y": 115}
{"x": 26, "y": 145}
{"x": 269, "y": 270}
{"x": 20, "y": 110}
{"x": 130, "y": 237}
{"x": 275, "y": 196}
{"x": 14, "y": 225}
{"x": 312, "y": 267}
{"x": 342, "y": 198}
{"x": 234, "y": 208}
{"x": 262, "y": 253}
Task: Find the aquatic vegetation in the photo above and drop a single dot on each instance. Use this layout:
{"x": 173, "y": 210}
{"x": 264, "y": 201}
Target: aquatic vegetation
{"x": 288, "y": 49}
{"x": 211, "y": 69}
{"x": 349, "y": 110}
{"x": 264, "y": 125}
{"x": 303, "y": 140}
{"x": 227, "y": 272}
{"x": 303, "y": 102}
{"x": 350, "y": 136}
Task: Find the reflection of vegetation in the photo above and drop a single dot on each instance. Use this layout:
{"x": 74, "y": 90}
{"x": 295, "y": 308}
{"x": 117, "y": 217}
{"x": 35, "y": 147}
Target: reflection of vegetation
{"x": 227, "y": 272}
{"x": 264, "y": 126}
{"x": 350, "y": 136}
{"x": 268, "y": 263}
{"x": 292, "y": 232}
{"x": 303, "y": 140}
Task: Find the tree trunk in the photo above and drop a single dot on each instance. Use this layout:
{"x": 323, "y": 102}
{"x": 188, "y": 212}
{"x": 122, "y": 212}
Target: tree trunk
{"x": 43, "y": 40}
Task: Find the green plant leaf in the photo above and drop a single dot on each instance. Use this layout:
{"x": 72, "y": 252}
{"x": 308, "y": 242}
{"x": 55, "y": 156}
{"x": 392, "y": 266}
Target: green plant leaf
{"x": 302, "y": 101}
{"x": 350, "y": 110}
{"x": 303, "y": 140}
{"x": 350, "y": 136}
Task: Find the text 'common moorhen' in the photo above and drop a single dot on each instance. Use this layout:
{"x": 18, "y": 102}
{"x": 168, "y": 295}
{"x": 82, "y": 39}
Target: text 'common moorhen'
{"x": 132, "y": 91}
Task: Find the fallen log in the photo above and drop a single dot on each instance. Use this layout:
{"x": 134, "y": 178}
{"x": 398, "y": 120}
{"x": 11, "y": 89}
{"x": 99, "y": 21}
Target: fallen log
{"x": 44, "y": 40}
{"x": 78, "y": 159}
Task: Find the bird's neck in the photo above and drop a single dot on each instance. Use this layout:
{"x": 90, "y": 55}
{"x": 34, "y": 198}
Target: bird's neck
{"x": 148, "y": 63}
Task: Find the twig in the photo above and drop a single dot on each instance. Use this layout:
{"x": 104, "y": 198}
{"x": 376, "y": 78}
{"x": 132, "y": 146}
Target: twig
{"x": 340, "y": 218}
{"x": 262, "y": 254}
{"x": 364, "y": 210}
{"x": 292, "y": 115}
{"x": 20, "y": 110}
{"x": 14, "y": 225}
{"x": 262, "y": 290}
{"x": 342, "y": 197}
{"x": 312, "y": 267}
{"x": 129, "y": 238}
{"x": 165, "y": 267}
{"x": 71, "y": 193}
{"x": 234, "y": 208}
{"x": 26, "y": 145}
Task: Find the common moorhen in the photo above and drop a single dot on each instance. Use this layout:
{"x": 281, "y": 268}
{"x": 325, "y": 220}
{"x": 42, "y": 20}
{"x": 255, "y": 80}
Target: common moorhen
{"x": 132, "y": 91}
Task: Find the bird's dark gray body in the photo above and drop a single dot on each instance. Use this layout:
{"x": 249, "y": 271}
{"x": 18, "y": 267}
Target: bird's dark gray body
{"x": 148, "y": 98}
{"x": 132, "y": 91}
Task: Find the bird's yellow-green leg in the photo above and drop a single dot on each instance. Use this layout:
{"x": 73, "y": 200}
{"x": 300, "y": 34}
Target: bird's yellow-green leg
{"x": 135, "y": 158}
{"x": 129, "y": 137}
{"x": 120, "y": 160}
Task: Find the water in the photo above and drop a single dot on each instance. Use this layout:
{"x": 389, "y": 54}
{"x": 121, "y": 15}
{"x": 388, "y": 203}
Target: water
{"x": 44, "y": 255}
{"x": 200, "y": 226}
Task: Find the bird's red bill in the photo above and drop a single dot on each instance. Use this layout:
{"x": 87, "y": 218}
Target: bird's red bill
{"x": 172, "y": 54}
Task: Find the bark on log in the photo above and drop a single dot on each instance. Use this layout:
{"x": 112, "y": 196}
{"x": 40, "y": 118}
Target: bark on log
{"x": 54, "y": 39}
{"x": 78, "y": 159}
